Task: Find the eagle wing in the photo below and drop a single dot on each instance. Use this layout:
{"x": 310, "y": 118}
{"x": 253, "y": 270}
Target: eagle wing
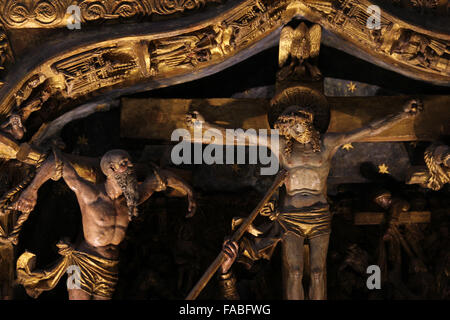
{"x": 315, "y": 35}
{"x": 286, "y": 37}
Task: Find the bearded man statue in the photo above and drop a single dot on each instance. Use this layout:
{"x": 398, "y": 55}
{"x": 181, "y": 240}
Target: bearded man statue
{"x": 107, "y": 209}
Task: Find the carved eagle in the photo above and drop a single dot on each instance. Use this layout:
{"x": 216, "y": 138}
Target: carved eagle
{"x": 301, "y": 43}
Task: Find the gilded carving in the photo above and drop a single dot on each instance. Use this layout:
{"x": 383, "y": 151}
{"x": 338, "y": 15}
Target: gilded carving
{"x": 46, "y": 12}
{"x": 236, "y": 31}
{"x": 186, "y": 50}
{"x": 393, "y": 40}
{"x": 97, "y": 10}
{"x": 298, "y": 51}
{"x": 404, "y": 47}
{"x": 52, "y": 13}
{"x": 254, "y": 19}
{"x": 165, "y": 7}
{"x": 421, "y": 51}
{"x": 94, "y": 69}
{"x": 6, "y": 54}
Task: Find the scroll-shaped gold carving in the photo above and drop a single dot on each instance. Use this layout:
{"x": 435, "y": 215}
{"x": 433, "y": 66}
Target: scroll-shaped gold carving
{"x": 165, "y": 7}
{"x": 53, "y": 13}
{"x": 102, "y": 10}
{"x": 43, "y": 13}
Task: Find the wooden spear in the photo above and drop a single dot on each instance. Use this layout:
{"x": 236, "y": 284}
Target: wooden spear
{"x": 279, "y": 180}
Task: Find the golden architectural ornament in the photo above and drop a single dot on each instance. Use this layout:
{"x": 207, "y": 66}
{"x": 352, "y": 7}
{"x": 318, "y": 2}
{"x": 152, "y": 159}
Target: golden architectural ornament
{"x": 53, "y": 13}
{"x": 122, "y": 62}
{"x": 146, "y": 44}
{"x": 413, "y": 47}
{"x": 208, "y": 42}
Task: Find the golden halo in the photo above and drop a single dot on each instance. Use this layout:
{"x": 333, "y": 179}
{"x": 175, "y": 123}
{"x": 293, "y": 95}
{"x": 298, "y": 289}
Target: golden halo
{"x": 306, "y": 99}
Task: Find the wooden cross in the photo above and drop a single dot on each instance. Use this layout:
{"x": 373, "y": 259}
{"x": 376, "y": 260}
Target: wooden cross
{"x": 156, "y": 119}
{"x": 377, "y": 218}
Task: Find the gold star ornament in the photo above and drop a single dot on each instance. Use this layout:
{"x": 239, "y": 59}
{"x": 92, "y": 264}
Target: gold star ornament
{"x": 383, "y": 168}
{"x": 82, "y": 140}
{"x": 235, "y": 168}
{"x": 351, "y": 86}
{"x": 347, "y": 146}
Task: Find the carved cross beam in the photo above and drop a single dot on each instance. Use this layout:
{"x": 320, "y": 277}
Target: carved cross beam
{"x": 156, "y": 119}
{"x": 376, "y": 218}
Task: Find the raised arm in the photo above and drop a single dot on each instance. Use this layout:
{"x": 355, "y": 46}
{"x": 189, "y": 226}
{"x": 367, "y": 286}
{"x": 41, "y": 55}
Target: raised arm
{"x": 85, "y": 190}
{"x": 28, "y": 197}
{"x": 160, "y": 180}
{"x": 239, "y": 137}
{"x": 49, "y": 170}
{"x": 410, "y": 109}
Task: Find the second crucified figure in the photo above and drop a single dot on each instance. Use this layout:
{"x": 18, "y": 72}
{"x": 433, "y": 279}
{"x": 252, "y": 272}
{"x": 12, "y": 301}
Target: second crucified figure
{"x": 106, "y": 211}
{"x": 303, "y": 211}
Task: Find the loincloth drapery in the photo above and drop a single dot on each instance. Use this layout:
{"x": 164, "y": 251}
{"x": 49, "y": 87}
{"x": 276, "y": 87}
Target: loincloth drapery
{"x": 98, "y": 276}
{"x": 307, "y": 222}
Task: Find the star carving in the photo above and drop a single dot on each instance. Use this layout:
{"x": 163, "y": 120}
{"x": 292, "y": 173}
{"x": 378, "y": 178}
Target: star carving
{"x": 82, "y": 140}
{"x": 235, "y": 168}
{"x": 347, "y": 146}
{"x": 351, "y": 86}
{"x": 383, "y": 168}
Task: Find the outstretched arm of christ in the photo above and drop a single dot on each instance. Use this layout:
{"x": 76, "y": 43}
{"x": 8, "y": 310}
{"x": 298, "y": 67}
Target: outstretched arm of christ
{"x": 239, "y": 137}
{"x": 410, "y": 109}
{"x": 163, "y": 179}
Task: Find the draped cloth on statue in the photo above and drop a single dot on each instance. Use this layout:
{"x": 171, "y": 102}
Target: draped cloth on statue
{"x": 307, "y": 222}
{"x": 98, "y": 276}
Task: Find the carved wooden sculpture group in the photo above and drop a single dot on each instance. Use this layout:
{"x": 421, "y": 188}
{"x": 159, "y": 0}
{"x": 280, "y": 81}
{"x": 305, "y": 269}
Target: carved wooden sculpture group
{"x": 107, "y": 189}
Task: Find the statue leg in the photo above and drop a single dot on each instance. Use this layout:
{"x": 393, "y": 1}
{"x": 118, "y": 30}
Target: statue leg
{"x": 318, "y": 261}
{"x": 77, "y": 294}
{"x": 293, "y": 266}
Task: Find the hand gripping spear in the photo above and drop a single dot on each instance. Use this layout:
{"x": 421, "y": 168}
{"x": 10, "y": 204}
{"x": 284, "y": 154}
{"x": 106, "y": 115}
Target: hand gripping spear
{"x": 279, "y": 180}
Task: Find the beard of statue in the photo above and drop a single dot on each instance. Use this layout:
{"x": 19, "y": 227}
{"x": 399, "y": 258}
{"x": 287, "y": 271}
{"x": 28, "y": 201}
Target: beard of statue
{"x": 127, "y": 182}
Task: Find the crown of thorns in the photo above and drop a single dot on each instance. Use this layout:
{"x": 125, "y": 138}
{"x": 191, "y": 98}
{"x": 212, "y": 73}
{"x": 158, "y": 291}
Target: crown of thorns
{"x": 297, "y": 116}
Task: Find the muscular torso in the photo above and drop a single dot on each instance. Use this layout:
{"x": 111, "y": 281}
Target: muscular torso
{"x": 105, "y": 222}
{"x": 308, "y": 171}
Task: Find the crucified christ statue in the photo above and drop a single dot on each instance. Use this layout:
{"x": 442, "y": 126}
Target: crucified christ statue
{"x": 106, "y": 211}
{"x": 303, "y": 211}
